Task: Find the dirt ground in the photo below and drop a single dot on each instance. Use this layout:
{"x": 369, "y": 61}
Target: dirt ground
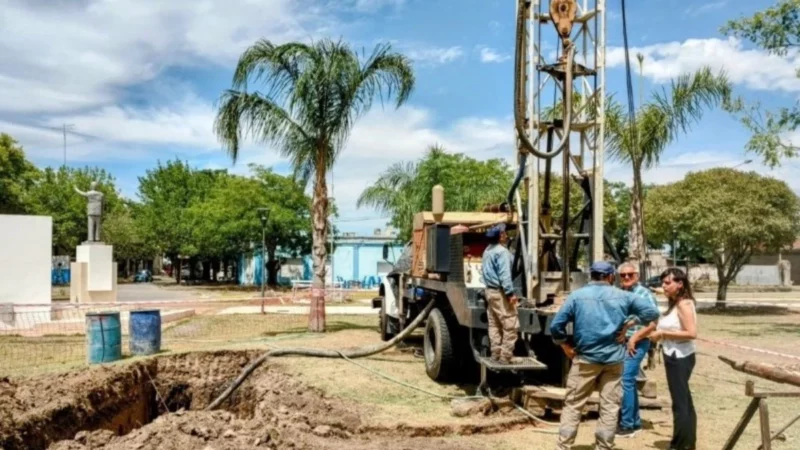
{"x": 105, "y": 408}
{"x": 310, "y": 403}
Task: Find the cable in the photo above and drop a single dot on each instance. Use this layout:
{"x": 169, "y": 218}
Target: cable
{"x": 450, "y": 397}
{"x": 632, "y": 121}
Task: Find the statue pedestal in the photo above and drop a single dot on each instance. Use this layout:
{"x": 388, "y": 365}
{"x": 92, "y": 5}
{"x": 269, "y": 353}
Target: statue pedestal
{"x": 93, "y": 274}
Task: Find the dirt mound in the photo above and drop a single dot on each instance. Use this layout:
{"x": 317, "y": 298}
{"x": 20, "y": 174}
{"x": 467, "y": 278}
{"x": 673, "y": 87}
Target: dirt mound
{"x": 158, "y": 404}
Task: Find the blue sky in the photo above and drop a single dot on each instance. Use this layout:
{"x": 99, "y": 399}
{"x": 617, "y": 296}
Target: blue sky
{"x": 138, "y": 80}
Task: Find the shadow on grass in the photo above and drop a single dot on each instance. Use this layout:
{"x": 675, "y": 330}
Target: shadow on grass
{"x": 742, "y": 310}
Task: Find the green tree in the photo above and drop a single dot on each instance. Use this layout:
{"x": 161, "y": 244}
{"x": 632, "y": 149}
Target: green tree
{"x": 228, "y": 221}
{"x": 405, "y": 188}
{"x": 314, "y": 95}
{"x": 124, "y": 232}
{"x": 167, "y": 192}
{"x": 726, "y": 215}
{"x": 17, "y": 177}
{"x": 53, "y": 195}
{"x": 776, "y": 30}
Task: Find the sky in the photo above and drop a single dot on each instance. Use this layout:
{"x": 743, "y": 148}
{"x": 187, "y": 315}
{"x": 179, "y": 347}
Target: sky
{"x": 137, "y": 81}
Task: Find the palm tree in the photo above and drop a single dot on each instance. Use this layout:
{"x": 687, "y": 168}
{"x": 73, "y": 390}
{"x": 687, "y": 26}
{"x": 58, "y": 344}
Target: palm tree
{"x": 394, "y": 193}
{"x": 313, "y": 95}
{"x": 404, "y": 189}
{"x": 657, "y": 124}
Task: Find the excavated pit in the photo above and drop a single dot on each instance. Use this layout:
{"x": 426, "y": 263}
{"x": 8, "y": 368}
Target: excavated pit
{"x": 159, "y": 403}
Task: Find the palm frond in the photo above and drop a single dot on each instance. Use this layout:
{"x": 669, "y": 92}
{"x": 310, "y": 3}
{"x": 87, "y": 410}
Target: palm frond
{"x": 257, "y": 117}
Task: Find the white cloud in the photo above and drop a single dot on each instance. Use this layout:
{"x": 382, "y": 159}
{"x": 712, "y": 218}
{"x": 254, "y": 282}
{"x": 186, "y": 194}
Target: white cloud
{"x": 435, "y": 55}
{"x": 675, "y": 167}
{"x": 383, "y": 137}
{"x": 752, "y": 68}
{"x": 68, "y": 56}
{"x": 490, "y": 55}
{"x": 188, "y": 122}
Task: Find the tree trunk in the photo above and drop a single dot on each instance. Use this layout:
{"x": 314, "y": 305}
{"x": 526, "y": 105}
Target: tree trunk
{"x": 722, "y": 292}
{"x": 272, "y": 266}
{"x": 319, "y": 224}
{"x": 206, "y": 270}
{"x": 636, "y": 239}
{"x": 177, "y": 265}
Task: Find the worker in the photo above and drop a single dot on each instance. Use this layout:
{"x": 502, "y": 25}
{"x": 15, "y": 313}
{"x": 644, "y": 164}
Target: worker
{"x": 500, "y": 297}
{"x": 630, "y": 422}
{"x": 598, "y": 312}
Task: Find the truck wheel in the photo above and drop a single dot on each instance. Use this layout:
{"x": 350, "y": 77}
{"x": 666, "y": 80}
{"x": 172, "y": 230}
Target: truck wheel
{"x": 384, "y": 325}
{"x": 441, "y": 362}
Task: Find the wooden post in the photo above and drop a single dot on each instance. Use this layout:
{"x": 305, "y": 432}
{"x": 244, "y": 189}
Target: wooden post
{"x": 763, "y": 412}
{"x": 740, "y": 427}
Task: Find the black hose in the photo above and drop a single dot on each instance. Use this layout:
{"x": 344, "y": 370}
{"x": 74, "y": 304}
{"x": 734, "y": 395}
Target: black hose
{"x": 519, "y": 101}
{"x": 517, "y": 180}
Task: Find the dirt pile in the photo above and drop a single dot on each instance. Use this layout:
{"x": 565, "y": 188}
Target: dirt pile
{"x": 158, "y": 404}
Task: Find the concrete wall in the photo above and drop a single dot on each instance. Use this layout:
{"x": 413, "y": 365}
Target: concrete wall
{"x": 750, "y": 275}
{"x": 793, "y": 256}
{"x": 25, "y": 259}
{"x": 353, "y": 260}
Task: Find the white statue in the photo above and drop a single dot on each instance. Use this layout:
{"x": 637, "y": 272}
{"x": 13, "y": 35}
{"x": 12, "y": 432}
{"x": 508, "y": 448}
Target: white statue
{"x": 94, "y": 209}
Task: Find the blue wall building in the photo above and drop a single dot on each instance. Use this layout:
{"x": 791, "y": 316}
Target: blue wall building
{"x": 357, "y": 261}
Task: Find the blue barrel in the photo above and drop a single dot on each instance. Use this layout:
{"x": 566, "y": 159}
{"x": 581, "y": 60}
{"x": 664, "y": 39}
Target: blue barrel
{"x": 144, "y": 330}
{"x": 103, "y": 337}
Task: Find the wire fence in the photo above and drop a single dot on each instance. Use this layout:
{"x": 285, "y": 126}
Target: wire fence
{"x": 40, "y": 339}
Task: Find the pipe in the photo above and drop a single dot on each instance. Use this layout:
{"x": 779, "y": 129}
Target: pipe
{"x": 517, "y": 180}
{"x": 322, "y": 353}
{"x": 519, "y": 102}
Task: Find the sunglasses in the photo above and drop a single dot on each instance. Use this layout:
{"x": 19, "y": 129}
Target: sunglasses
{"x": 627, "y": 275}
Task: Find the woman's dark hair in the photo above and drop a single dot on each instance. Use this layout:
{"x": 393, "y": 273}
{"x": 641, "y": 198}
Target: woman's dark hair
{"x": 685, "y": 292}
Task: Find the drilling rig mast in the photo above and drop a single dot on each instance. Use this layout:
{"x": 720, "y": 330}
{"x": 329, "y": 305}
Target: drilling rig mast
{"x": 559, "y": 105}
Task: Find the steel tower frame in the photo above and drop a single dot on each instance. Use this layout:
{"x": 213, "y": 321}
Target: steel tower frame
{"x": 566, "y": 41}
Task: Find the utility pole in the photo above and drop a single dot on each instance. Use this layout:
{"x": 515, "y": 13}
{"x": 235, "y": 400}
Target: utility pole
{"x": 264, "y": 218}
{"x": 66, "y": 127}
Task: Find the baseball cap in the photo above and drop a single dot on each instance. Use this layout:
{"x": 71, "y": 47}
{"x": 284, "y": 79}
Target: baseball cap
{"x": 602, "y": 267}
{"x": 496, "y": 230}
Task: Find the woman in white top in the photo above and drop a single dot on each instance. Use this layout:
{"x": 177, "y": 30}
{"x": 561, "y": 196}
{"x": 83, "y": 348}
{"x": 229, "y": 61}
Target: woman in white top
{"x": 677, "y": 329}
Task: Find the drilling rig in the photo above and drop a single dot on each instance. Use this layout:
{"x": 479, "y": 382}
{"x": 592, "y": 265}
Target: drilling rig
{"x": 558, "y": 101}
{"x": 560, "y": 48}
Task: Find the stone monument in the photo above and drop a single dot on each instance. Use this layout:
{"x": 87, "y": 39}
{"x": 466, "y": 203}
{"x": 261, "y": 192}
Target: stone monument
{"x": 94, "y": 272}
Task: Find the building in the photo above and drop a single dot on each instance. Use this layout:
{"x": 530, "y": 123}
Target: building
{"x": 790, "y": 254}
{"x": 357, "y": 261}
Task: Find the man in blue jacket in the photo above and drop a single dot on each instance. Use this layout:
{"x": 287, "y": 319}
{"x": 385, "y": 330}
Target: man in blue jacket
{"x": 598, "y": 312}
{"x": 501, "y": 301}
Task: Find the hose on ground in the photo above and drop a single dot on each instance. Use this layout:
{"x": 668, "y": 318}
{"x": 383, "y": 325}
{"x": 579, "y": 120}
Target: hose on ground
{"x": 321, "y": 353}
{"x": 452, "y": 397}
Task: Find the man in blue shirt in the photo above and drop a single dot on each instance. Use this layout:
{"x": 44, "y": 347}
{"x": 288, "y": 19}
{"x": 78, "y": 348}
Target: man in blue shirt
{"x": 501, "y": 302}
{"x": 598, "y": 312}
{"x": 630, "y": 421}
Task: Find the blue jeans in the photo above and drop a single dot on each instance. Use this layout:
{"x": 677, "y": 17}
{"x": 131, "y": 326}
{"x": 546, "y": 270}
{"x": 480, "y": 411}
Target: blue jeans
{"x": 629, "y": 418}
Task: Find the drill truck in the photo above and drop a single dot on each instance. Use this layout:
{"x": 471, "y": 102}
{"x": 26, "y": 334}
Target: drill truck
{"x": 552, "y": 249}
